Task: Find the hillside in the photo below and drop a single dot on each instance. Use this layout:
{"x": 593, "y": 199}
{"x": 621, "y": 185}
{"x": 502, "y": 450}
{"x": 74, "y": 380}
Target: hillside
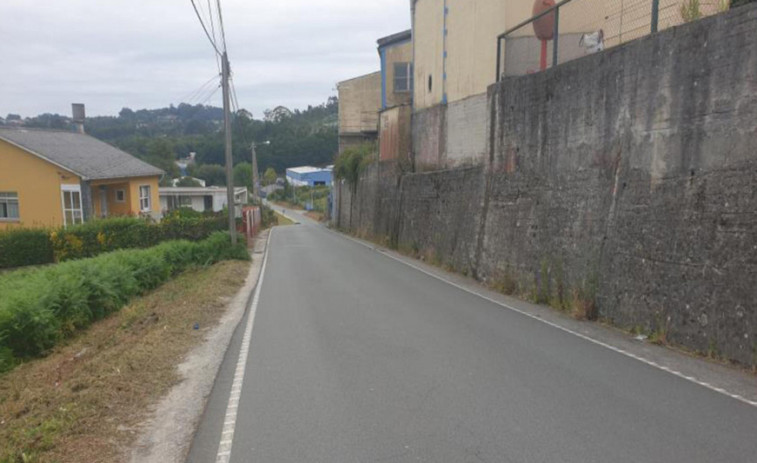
{"x": 160, "y": 136}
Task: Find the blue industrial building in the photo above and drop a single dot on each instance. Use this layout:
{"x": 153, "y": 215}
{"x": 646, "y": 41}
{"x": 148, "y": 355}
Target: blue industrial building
{"x": 310, "y": 176}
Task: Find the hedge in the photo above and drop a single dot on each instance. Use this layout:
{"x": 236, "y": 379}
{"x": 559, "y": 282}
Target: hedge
{"x": 21, "y": 247}
{"x": 40, "y": 307}
{"x": 98, "y": 236}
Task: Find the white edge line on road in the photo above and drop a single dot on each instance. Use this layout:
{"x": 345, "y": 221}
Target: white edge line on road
{"x": 555, "y": 325}
{"x": 227, "y": 434}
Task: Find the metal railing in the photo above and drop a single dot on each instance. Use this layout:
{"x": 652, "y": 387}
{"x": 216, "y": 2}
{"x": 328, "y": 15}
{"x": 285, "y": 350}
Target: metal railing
{"x": 574, "y": 28}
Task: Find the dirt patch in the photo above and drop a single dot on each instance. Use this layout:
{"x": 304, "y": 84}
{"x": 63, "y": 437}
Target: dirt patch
{"x": 315, "y": 215}
{"x": 85, "y": 400}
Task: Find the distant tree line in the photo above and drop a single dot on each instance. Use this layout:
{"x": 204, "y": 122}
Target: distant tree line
{"x": 162, "y": 136}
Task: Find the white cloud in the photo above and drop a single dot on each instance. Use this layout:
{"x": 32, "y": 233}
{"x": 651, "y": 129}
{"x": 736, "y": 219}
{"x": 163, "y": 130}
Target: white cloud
{"x": 149, "y": 53}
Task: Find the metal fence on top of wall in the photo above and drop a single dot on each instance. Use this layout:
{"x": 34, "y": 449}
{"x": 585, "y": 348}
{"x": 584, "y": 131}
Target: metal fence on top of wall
{"x": 571, "y": 29}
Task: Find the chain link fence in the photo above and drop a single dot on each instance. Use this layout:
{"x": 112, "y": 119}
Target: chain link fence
{"x": 575, "y": 28}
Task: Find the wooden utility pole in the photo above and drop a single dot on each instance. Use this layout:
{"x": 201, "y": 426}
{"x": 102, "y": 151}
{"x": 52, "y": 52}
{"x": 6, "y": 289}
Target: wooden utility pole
{"x": 229, "y": 159}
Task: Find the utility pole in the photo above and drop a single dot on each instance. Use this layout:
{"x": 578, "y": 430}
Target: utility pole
{"x": 229, "y": 160}
{"x": 255, "y": 187}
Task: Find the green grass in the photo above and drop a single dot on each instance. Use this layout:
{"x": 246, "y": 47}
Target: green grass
{"x": 41, "y": 307}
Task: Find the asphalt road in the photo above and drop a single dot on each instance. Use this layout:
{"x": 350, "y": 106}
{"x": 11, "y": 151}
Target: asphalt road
{"x": 356, "y": 357}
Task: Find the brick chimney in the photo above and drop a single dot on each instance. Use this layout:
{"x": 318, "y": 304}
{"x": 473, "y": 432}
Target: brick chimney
{"x": 78, "y": 116}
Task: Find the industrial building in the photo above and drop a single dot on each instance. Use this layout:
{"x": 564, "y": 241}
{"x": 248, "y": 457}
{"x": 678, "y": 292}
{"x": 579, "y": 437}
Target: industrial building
{"x": 310, "y": 176}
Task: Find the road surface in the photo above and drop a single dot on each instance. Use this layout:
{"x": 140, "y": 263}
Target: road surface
{"x": 356, "y": 357}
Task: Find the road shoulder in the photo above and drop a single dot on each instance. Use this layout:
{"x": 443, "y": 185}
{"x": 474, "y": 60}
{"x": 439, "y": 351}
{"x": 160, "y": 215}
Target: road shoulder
{"x": 167, "y": 435}
{"x": 728, "y": 380}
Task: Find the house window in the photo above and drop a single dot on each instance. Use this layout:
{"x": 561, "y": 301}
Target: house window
{"x": 72, "y": 205}
{"x": 403, "y": 77}
{"x": 145, "y": 201}
{"x": 9, "y": 206}
{"x": 120, "y": 196}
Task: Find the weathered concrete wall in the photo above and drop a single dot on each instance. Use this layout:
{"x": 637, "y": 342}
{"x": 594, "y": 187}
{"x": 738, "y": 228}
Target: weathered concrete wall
{"x": 635, "y": 169}
{"x": 439, "y": 215}
{"x": 467, "y": 127}
{"x": 453, "y": 135}
{"x": 627, "y": 179}
{"x": 429, "y": 137}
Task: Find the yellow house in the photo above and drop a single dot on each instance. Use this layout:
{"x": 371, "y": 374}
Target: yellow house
{"x": 57, "y": 178}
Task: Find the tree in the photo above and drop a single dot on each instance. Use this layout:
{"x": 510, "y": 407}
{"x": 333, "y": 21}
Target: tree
{"x": 270, "y": 176}
{"x": 126, "y": 113}
{"x": 188, "y": 182}
{"x": 213, "y": 174}
{"x": 160, "y": 154}
{"x": 243, "y": 175}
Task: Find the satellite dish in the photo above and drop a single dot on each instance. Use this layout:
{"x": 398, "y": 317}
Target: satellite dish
{"x": 544, "y": 27}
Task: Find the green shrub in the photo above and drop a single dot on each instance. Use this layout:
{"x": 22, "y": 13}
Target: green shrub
{"x": 21, "y": 247}
{"x": 99, "y": 236}
{"x": 351, "y": 162}
{"x": 40, "y": 307}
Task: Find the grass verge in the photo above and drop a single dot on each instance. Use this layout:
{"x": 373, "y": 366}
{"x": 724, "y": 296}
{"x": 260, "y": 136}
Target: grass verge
{"x": 84, "y": 401}
{"x": 283, "y": 220}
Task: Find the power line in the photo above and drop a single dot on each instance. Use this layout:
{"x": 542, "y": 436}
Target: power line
{"x": 190, "y": 97}
{"x": 213, "y": 30}
{"x": 215, "y": 90}
{"x": 202, "y": 23}
{"x": 220, "y": 19}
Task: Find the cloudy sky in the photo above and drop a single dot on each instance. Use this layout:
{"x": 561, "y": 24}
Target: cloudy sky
{"x": 111, "y": 54}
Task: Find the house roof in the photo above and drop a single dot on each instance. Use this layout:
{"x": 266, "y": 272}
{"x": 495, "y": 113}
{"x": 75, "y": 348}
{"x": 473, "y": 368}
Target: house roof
{"x": 309, "y": 169}
{"x": 81, "y": 154}
{"x": 403, "y": 36}
{"x": 197, "y": 191}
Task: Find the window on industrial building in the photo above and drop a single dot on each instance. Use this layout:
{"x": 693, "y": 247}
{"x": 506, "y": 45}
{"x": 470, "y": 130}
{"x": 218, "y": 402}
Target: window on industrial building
{"x": 9, "y": 205}
{"x": 145, "y": 201}
{"x": 403, "y": 77}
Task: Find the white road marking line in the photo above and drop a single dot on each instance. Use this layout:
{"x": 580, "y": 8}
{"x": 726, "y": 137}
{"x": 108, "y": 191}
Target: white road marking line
{"x": 555, "y": 325}
{"x": 227, "y": 434}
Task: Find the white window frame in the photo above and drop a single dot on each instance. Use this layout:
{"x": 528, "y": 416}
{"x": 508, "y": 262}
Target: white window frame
{"x": 7, "y": 197}
{"x": 122, "y": 192}
{"x": 71, "y": 189}
{"x": 147, "y": 198}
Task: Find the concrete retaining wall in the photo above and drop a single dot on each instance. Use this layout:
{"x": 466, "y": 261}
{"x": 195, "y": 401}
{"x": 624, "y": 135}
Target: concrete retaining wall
{"x": 626, "y": 179}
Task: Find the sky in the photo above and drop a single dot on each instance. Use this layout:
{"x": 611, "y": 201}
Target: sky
{"x": 111, "y": 54}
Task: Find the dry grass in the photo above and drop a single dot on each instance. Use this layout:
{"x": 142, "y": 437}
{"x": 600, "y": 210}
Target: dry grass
{"x": 283, "y": 220}
{"x": 315, "y": 215}
{"x": 84, "y": 401}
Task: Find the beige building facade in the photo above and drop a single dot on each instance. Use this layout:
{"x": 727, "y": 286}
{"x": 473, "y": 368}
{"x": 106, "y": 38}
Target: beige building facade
{"x": 455, "y": 46}
{"x": 396, "y": 54}
{"x": 455, "y": 43}
{"x": 359, "y": 106}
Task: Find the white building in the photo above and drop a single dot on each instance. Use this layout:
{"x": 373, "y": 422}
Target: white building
{"x": 200, "y": 199}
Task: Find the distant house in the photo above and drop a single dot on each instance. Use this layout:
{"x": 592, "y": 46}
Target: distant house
{"x": 209, "y": 199}
{"x": 310, "y": 176}
{"x": 53, "y": 178}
